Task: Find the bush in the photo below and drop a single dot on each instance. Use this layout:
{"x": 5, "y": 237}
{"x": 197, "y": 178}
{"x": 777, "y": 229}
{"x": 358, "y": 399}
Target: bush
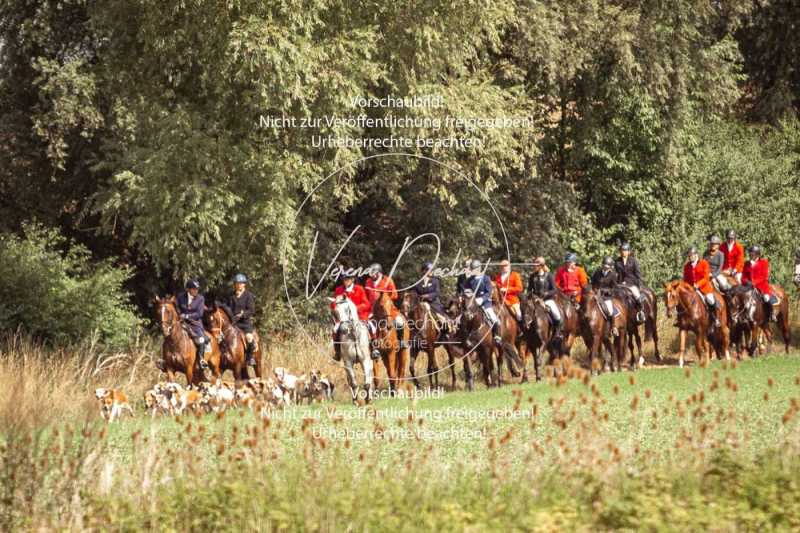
{"x": 50, "y": 289}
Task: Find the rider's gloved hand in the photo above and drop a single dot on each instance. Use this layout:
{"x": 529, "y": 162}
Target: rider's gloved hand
{"x": 479, "y": 301}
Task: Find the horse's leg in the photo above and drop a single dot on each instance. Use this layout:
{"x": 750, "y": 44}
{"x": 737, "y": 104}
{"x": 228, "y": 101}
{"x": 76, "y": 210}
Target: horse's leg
{"x": 451, "y": 360}
{"x": 638, "y": 349}
{"x": 467, "y": 374}
{"x": 523, "y": 354}
{"x": 351, "y": 379}
{"x": 654, "y": 332}
{"x": 607, "y": 354}
{"x": 699, "y": 343}
{"x": 682, "y": 335}
{"x": 411, "y": 362}
{"x": 498, "y": 364}
{"x": 433, "y": 367}
{"x": 784, "y": 321}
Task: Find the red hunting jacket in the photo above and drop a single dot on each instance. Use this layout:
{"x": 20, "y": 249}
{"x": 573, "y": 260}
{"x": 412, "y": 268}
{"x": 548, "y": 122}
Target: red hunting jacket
{"x": 358, "y": 296}
{"x": 572, "y": 282}
{"x": 734, "y": 256}
{"x": 698, "y": 276}
{"x": 757, "y": 273}
{"x": 513, "y": 285}
{"x": 375, "y": 289}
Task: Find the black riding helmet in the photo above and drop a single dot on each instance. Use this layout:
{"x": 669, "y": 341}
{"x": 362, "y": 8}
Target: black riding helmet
{"x": 625, "y": 247}
{"x": 192, "y": 284}
{"x": 608, "y": 262}
{"x": 426, "y": 267}
{"x": 755, "y": 250}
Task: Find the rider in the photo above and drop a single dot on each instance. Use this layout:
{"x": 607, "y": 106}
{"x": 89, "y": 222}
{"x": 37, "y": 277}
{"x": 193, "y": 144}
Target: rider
{"x": 756, "y": 274}
{"x": 571, "y": 278}
{"x": 191, "y": 306}
{"x": 696, "y": 272}
{"x": 510, "y": 285}
{"x": 716, "y": 262}
{"x": 356, "y": 294}
{"x": 427, "y": 290}
{"x": 377, "y": 284}
{"x": 734, "y": 256}
{"x": 630, "y": 277}
{"x": 241, "y": 305}
{"x": 604, "y": 280}
{"x": 481, "y": 286}
{"x": 462, "y": 281}
{"x": 541, "y": 284}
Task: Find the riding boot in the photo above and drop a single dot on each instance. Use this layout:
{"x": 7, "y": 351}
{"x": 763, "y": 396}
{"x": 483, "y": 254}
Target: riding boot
{"x": 496, "y": 332}
{"x": 201, "y": 352}
{"x": 557, "y": 334}
{"x": 715, "y": 310}
{"x": 249, "y": 349}
{"x": 376, "y": 353}
{"x": 400, "y": 339}
{"x": 337, "y": 353}
{"x": 640, "y": 317}
{"x": 770, "y": 311}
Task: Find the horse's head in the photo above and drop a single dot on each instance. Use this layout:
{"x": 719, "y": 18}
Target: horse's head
{"x": 741, "y": 298}
{"x": 408, "y": 302}
{"x": 166, "y": 314}
{"x": 344, "y": 310}
{"x": 671, "y": 296}
{"x": 469, "y": 307}
{"x": 383, "y": 306}
{"x": 217, "y": 319}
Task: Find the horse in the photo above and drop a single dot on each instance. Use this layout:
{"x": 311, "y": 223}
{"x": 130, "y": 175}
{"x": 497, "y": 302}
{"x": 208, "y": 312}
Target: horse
{"x": 476, "y": 335}
{"x": 395, "y": 357}
{"x": 354, "y": 346}
{"x": 650, "y": 310}
{"x": 425, "y": 337}
{"x": 232, "y": 342}
{"x": 693, "y": 315}
{"x": 538, "y": 331}
{"x": 749, "y": 318}
{"x": 597, "y": 331}
{"x": 511, "y": 346}
{"x": 178, "y": 351}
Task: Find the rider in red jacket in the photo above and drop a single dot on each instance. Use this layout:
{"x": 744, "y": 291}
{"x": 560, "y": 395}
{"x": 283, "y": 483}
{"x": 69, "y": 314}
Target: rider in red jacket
{"x": 356, "y": 294}
{"x": 697, "y": 273}
{"x": 756, "y": 274}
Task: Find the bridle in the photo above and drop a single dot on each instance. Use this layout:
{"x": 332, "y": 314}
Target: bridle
{"x": 166, "y": 327}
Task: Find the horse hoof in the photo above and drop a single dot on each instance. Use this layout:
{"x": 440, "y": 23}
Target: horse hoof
{"x": 641, "y": 362}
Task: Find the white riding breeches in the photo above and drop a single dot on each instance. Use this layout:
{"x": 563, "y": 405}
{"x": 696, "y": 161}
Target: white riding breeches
{"x": 399, "y": 321}
{"x": 766, "y": 298}
{"x": 553, "y": 309}
{"x": 634, "y": 290}
{"x": 491, "y": 315}
{"x": 710, "y": 300}
{"x": 722, "y": 282}
{"x": 517, "y": 311}
{"x": 609, "y": 308}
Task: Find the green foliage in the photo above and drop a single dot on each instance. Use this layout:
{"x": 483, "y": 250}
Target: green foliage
{"x": 51, "y": 289}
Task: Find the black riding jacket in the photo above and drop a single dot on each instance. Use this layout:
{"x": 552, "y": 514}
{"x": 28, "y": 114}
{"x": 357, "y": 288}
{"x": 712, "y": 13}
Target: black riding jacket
{"x": 628, "y": 272}
{"x": 542, "y": 285}
{"x": 604, "y": 279}
{"x": 241, "y": 310}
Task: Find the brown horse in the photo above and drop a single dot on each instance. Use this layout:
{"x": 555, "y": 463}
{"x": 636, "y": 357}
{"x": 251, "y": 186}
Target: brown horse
{"x": 749, "y": 318}
{"x": 693, "y": 315}
{"x": 596, "y": 329}
{"x": 650, "y": 310}
{"x": 511, "y": 346}
{"x": 538, "y": 331}
{"x": 395, "y": 358}
{"x": 231, "y": 341}
{"x": 178, "y": 351}
{"x": 426, "y": 337}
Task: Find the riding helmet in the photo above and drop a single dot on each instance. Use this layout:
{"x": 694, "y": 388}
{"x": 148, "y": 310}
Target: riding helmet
{"x": 755, "y": 250}
{"x": 240, "y": 278}
{"x": 375, "y": 268}
{"x": 691, "y": 250}
{"x": 426, "y": 266}
{"x": 570, "y": 258}
{"x": 475, "y": 264}
{"x": 192, "y": 284}
{"x": 608, "y": 262}
{"x": 714, "y": 240}
{"x": 731, "y": 234}
{"x": 625, "y": 247}
{"x": 539, "y": 261}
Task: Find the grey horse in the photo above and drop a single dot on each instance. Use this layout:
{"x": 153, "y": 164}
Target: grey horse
{"x": 353, "y": 345}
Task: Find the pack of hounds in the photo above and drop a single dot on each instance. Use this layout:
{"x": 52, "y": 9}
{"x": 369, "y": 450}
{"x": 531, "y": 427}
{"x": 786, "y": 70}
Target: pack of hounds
{"x": 258, "y": 395}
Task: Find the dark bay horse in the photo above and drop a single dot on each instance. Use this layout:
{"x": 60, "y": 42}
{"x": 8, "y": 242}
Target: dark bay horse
{"x": 426, "y": 337}
{"x": 650, "y": 310}
{"x": 395, "y": 358}
{"x": 231, "y": 341}
{"x": 596, "y": 329}
{"x": 749, "y": 318}
{"x": 178, "y": 351}
{"x": 693, "y": 315}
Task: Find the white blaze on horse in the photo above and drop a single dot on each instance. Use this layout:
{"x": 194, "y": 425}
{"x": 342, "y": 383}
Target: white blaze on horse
{"x": 353, "y": 345}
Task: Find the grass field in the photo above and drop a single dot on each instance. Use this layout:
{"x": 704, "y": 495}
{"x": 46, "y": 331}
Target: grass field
{"x": 665, "y": 448}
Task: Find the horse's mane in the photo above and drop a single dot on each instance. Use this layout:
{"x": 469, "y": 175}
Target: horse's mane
{"x": 224, "y": 309}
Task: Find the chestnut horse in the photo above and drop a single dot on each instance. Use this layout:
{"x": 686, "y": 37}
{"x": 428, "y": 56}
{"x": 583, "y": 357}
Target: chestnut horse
{"x": 178, "y": 351}
{"x": 749, "y": 318}
{"x": 596, "y": 329}
{"x": 693, "y": 315}
{"x": 232, "y": 342}
{"x": 425, "y": 337}
{"x": 395, "y": 358}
